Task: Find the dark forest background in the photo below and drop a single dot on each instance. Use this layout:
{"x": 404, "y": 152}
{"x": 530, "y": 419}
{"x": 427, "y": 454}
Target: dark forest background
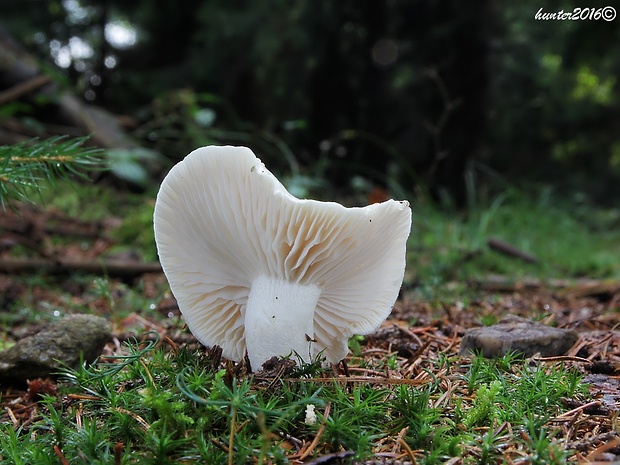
{"x": 443, "y": 97}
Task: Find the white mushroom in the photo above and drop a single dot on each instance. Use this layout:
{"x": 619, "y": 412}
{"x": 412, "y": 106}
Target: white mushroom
{"x": 254, "y": 268}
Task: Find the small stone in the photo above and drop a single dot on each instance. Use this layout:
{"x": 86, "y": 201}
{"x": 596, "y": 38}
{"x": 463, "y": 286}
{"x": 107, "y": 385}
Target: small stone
{"x": 519, "y": 335}
{"x": 59, "y": 344}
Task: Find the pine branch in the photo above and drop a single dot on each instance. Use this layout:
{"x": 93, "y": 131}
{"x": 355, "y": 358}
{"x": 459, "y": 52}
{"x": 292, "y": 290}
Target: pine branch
{"x": 24, "y": 166}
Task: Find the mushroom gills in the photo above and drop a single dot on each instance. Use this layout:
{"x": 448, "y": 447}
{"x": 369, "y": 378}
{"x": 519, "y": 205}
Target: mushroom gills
{"x": 279, "y": 320}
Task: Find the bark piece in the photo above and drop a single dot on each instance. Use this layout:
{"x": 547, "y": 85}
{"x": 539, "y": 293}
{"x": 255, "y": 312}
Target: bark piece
{"x": 520, "y": 335}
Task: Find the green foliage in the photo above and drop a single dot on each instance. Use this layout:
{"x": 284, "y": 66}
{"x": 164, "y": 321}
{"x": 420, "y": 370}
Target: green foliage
{"x": 162, "y": 406}
{"x": 136, "y": 231}
{"x": 509, "y": 391}
{"x": 183, "y": 119}
{"x": 484, "y": 406}
{"x": 131, "y": 213}
{"x": 171, "y": 407}
{"x": 133, "y": 165}
{"x": 357, "y": 419}
{"x": 441, "y": 87}
{"x": 570, "y": 238}
{"x": 542, "y": 449}
{"x": 417, "y": 414}
{"x": 24, "y": 166}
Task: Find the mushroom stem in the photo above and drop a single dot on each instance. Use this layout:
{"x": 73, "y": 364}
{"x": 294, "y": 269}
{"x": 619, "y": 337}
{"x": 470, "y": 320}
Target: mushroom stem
{"x": 279, "y": 319}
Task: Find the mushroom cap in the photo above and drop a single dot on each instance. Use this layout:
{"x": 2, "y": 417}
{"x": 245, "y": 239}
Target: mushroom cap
{"x": 222, "y": 220}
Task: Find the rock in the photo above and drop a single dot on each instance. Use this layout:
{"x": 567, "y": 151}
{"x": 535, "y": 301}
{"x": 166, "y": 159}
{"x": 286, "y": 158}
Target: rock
{"x": 59, "y": 344}
{"x": 514, "y": 334}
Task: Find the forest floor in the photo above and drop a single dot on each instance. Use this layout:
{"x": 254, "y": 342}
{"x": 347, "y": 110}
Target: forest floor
{"x": 49, "y": 267}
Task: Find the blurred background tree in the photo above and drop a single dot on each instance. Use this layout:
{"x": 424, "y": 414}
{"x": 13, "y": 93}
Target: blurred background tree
{"x": 443, "y": 96}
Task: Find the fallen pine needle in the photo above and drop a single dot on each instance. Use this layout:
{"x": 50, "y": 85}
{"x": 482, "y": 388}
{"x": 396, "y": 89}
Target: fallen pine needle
{"x": 562, "y": 358}
{"x": 361, "y": 379}
{"x": 602, "y": 449}
{"x": 60, "y": 455}
{"x": 408, "y": 450}
{"x": 82, "y": 397}
{"x": 14, "y": 420}
{"x": 399, "y": 438}
{"x": 143, "y": 423}
{"x": 565, "y": 415}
